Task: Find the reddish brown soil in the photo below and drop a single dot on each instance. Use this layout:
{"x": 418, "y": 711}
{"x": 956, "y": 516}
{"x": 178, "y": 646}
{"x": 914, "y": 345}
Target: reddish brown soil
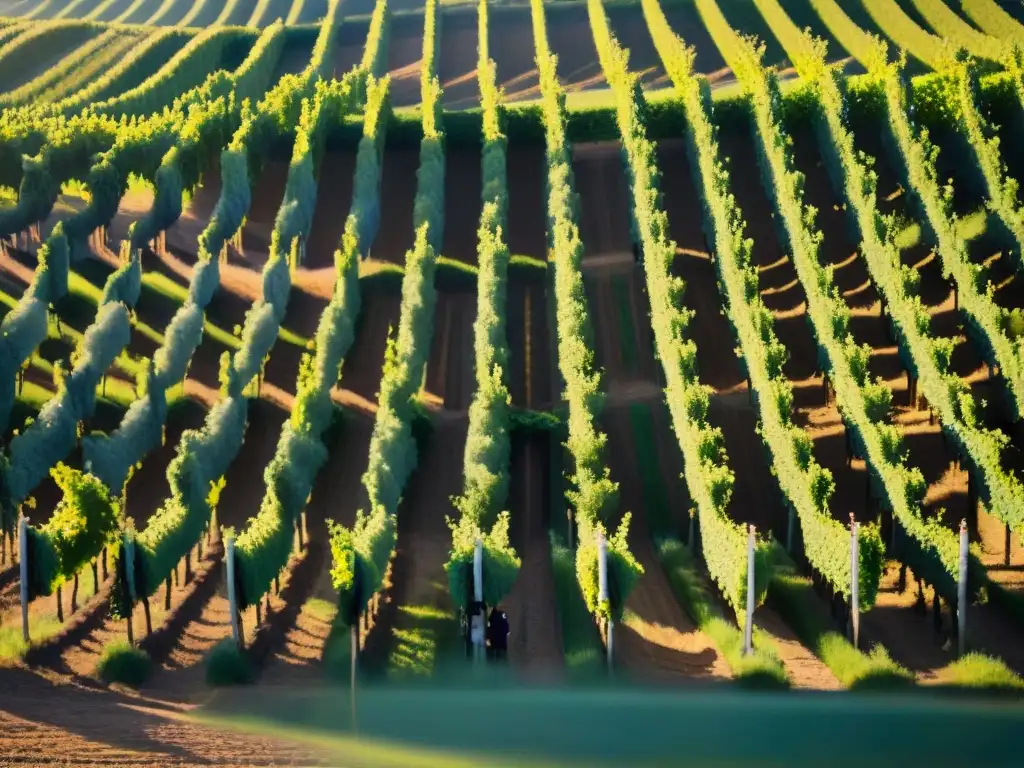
{"x": 527, "y": 208}
{"x": 348, "y": 50}
{"x": 147, "y": 488}
{"x": 628, "y": 375}
{"x": 657, "y": 641}
{"x": 535, "y": 644}
{"x": 529, "y": 338}
{"x": 294, "y": 58}
{"x": 687, "y": 24}
{"x": 397, "y": 193}
{"x": 417, "y": 576}
{"x": 333, "y": 201}
{"x": 266, "y": 200}
{"x": 512, "y": 49}
{"x": 183, "y": 234}
{"x": 244, "y": 485}
{"x": 457, "y": 60}
{"x": 630, "y": 28}
{"x": 81, "y": 658}
{"x": 462, "y": 190}
{"x": 572, "y": 41}
{"x": 600, "y": 181}
{"x": 405, "y": 50}
{"x": 450, "y": 380}
{"x": 101, "y": 727}
{"x": 361, "y": 372}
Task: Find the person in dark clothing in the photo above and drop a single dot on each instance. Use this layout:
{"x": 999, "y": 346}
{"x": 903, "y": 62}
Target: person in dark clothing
{"x": 497, "y": 634}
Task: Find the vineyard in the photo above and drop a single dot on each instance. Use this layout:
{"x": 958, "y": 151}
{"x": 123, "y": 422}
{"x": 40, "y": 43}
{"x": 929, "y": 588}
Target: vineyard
{"x": 688, "y": 333}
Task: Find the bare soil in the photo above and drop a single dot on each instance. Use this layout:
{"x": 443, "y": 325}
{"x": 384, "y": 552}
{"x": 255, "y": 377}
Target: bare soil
{"x": 526, "y": 233}
{"x": 529, "y": 338}
{"x": 259, "y": 223}
{"x": 294, "y": 58}
{"x": 418, "y": 581}
{"x": 656, "y": 641}
{"x": 450, "y": 380}
{"x": 535, "y": 642}
{"x": 348, "y": 50}
{"x": 462, "y": 191}
{"x": 397, "y": 195}
{"x": 333, "y": 202}
{"x": 600, "y": 181}
{"x": 630, "y": 28}
{"x": 244, "y": 486}
{"x": 572, "y": 41}
{"x": 457, "y": 60}
{"x": 102, "y": 727}
{"x": 184, "y": 233}
{"x": 512, "y": 48}
{"x": 361, "y": 372}
{"x": 405, "y": 51}
{"x": 147, "y": 489}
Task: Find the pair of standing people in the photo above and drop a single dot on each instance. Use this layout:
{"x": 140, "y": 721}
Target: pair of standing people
{"x": 493, "y": 634}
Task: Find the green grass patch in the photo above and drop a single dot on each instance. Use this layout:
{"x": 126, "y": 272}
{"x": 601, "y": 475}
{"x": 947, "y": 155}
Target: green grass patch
{"x": 227, "y": 665}
{"x": 973, "y": 225}
{"x": 123, "y": 663}
{"x": 794, "y": 598}
{"x": 762, "y": 669}
{"x": 656, "y": 504}
{"x": 977, "y": 672}
{"x": 455, "y": 275}
{"x": 526, "y": 421}
{"x": 42, "y": 625}
{"x": 624, "y": 307}
{"x": 423, "y": 634}
{"x": 584, "y": 652}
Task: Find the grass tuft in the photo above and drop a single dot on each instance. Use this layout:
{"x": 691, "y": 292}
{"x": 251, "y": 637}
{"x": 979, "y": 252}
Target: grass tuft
{"x": 981, "y": 673}
{"x": 227, "y": 665}
{"x": 123, "y": 663}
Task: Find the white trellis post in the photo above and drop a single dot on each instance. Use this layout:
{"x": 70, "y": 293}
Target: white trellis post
{"x": 229, "y": 544}
{"x": 602, "y": 592}
{"x": 961, "y": 592}
{"x": 23, "y": 572}
{"x": 478, "y": 597}
{"x": 854, "y": 582}
{"x": 748, "y": 634}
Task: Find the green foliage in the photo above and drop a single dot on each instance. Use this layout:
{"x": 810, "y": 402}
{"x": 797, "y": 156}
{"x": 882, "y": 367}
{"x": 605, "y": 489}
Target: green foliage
{"x": 488, "y": 447}
{"x": 905, "y": 32}
{"x": 926, "y": 356}
{"x": 989, "y": 16}
{"x": 594, "y": 496}
{"x": 707, "y": 472}
{"x": 121, "y": 662}
{"x": 928, "y": 549}
{"x": 500, "y": 563}
{"x": 806, "y": 485}
{"x": 955, "y": 31}
{"x": 227, "y": 665}
{"x": 361, "y": 554}
{"x": 81, "y": 525}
